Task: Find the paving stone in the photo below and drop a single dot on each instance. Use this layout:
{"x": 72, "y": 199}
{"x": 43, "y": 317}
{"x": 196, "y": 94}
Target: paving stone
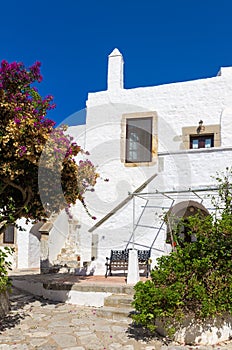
{"x": 36, "y": 334}
{"x": 115, "y": 346}
{"x": 4, "y": 340}
{"x": 37, "y": 341}
{"x": 14, "y": 347}
{"x": 46, "y": 347}
{"x": 63, "y": 330}
{"x": 59, "y": 323}
{"x": 65, "y": 340}
{"x": 118, "y": 329}
{"x": 101, "y": 327}
{"x": 82, "y": 329}
{"x": 24, "y": 327}
{"x": 91, "y": 341}
{"x": 88, "y": 338}
{"x": 83, "y": 333}
{"x": 38, "y": 325}
{"x": 75, "y": 348}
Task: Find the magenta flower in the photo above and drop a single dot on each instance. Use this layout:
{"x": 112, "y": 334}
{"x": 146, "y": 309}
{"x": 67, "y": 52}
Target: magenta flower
{"x": 17, "y": 121}
{"x": 23, "y": 149}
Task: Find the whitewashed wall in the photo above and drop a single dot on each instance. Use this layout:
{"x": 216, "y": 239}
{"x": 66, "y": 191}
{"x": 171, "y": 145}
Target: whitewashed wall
{"x": 58, "y": 235}
{"x": 177, "y": 105}
{"x": 23, "y": 244}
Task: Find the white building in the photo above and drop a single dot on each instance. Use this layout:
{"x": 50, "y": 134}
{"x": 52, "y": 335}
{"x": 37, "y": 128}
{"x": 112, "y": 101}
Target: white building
{"x": 153, "y": 144}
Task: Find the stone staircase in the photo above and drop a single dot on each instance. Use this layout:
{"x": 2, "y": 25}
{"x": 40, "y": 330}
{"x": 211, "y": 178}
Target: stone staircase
{"x": 117, "y": 307}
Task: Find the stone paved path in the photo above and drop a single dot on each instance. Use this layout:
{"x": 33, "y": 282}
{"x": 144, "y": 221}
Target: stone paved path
{"x": 37, "y": 324}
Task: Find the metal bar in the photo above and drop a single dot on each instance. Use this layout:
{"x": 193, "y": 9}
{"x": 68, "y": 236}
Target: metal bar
{"x": 147, "y": 226}
{"x": 158, "y": 206}
{"x": 197, "y": 195}
{"x": 135, "y": 226}
{"x": 161, "y": 226}
{"x": 179, "y": 191}
{"x": 146, "y": 246}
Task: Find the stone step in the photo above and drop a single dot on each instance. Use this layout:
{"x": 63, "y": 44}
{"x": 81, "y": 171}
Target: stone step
{"x": 121, "y": 314}
{"x": 119, "y": 300}
{"x": 117, "y": 307}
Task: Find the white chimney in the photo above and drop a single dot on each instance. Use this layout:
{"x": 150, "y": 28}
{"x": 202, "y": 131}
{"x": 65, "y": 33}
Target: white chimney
{"x": 115, "y": 70}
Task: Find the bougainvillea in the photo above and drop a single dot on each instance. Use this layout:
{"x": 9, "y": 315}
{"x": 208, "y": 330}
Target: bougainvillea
{"x": 38, "y": 171}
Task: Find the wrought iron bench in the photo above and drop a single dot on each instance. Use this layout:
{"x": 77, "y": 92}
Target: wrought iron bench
{"x": 119, "y": 261}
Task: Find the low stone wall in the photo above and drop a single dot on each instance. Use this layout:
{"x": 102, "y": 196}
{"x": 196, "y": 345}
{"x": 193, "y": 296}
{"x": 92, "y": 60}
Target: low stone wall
{"x": 194, "y": 332}
{"x": 4, "y": 304}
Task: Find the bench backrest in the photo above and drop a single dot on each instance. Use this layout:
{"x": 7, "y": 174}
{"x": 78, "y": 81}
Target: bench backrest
{"x": 122, "y": 255}
{"x": 144, "y": 255}
{"x": 119, "y": 255}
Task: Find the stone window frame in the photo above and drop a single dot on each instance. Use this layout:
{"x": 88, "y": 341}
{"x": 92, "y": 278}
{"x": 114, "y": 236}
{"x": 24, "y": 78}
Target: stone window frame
{"x": 154, "y": 143}
{"x": 214, "y": 130}
{"x": 8, "y": 244}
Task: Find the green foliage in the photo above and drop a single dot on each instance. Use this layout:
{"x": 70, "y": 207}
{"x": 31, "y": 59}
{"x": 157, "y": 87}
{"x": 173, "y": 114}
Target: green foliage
{"x": 5, "y": 265}
{"x": 196, "y": 279}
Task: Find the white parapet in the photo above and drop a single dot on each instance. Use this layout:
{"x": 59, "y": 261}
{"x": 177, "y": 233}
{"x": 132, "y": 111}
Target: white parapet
{"x": 195, "y": 332}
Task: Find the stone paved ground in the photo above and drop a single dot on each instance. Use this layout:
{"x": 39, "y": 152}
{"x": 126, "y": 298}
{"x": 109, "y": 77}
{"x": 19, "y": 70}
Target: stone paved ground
{"x": 37, "y": 324}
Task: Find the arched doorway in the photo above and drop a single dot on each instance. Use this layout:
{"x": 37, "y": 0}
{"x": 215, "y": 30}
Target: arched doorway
{"x": 178, "y": 215}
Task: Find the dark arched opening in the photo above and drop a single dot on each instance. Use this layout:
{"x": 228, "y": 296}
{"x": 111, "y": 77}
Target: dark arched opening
{"x": 178, "y": 216}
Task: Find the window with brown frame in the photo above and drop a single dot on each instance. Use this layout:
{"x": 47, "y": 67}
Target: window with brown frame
{"x": 206, "y": 136}
{"x": 138, "y": 140}
{"x": 201, "y": 141}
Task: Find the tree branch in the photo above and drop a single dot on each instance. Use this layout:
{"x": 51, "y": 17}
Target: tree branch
{"x": 8, "y": 182}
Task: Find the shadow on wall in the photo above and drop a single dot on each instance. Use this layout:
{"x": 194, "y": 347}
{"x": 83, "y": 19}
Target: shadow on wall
{"x": 88, "y": 269}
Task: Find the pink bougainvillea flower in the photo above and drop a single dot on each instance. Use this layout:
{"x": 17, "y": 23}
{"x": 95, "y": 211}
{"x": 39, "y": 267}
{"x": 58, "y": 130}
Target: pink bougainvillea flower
{"x": 17, "y": 121}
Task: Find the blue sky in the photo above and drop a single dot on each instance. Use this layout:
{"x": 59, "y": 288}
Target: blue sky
{"x": 162, "y": 41}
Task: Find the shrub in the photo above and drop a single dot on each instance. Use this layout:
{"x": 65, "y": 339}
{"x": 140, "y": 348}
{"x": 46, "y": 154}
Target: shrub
{"x": 5, "y": 265}
{"x": 196, "y": 279}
